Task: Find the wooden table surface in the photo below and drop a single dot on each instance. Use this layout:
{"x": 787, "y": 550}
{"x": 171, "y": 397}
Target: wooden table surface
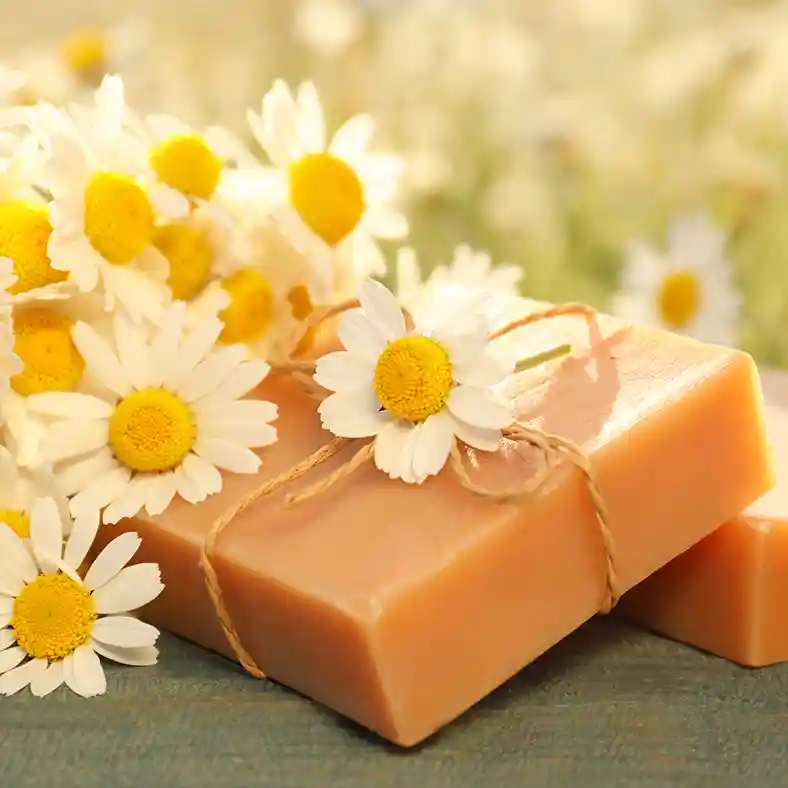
{"x": 611, "y": 706}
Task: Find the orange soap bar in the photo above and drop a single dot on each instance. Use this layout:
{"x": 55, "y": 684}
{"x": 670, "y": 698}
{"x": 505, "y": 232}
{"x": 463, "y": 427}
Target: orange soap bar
{"x": 729, "y": 594}
{"x": 402, "y": 606}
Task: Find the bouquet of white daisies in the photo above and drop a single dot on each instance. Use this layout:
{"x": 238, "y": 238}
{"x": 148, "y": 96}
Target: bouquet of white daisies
{"x": 151, "y": 275}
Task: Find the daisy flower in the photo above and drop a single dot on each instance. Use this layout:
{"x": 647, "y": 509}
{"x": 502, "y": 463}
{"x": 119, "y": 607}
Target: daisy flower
{"x": 187, "y": 161}
{"x": 263, "y": 293}
{"x": 687, "y": 288}
{"x": 173, "y": 417}
{"x": 105, "y": 210}
{"x": 57, "y": 620}
{"x": 19, "y": 489}
{"x": 413, "y": 391}
{"x": 469, "y": 274}
{"x": 336, "y": 196}
{"x": 50, "y": 361}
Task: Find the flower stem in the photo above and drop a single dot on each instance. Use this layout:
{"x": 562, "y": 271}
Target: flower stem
{"x": 541, "y": 358}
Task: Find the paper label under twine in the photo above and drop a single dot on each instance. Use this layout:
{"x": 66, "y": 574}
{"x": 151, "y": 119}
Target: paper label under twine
{"x": 549, "y": 450}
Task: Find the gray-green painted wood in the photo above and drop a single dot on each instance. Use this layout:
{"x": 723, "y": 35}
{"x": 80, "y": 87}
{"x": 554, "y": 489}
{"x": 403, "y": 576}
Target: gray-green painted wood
{"x": 610, "y": 707}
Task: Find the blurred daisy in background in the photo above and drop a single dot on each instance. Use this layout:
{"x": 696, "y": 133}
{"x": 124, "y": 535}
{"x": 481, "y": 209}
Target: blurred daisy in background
{"x": 55, "y": 621}
{"x": 469, "y": 274}
{"x": 687, "y": 288}
{"x": 66, "y": 70}
{"x": 337, "y": 197}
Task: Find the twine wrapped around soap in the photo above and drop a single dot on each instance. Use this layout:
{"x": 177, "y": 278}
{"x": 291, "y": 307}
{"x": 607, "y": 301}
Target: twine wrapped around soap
{"x": 549, "y": 450}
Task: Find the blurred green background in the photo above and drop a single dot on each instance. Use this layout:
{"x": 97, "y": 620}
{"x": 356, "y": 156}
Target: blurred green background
{"x": 551, "y": 134}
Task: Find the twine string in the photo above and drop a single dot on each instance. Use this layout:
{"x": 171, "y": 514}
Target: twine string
{"x": 549, "y": 449}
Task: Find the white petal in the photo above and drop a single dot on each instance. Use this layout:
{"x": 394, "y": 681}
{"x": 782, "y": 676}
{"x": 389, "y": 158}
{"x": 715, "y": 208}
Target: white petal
{"x": 193, "y": 349}
{"x": 19, "y": 678}
{"x": 132, "y": 351}
{"x": 164, "y": 348}
{"x": 129, "y": 501}
{"x": 382, "y": 309}
{"x": 344, "y": 371}
{"x": 102, "y": 363}
{"x": 353, "y": 136}
{"x": 353, "y": 414}
{"x": 124, "y": 632}
{"x": 7, "y": 638}
{"x": 112, "y": 559}
{"x": 392, "y": 452}
{"x": 478, "y": 437}
{"x": 16, "y": 562}
{"x": 186, "y": 488}
{"x": 74, "y": 438}
{"x": 10, "y": 658}
{"x": 140, "y": 293}
{"x": 148, "y": 655}
{"x": 251, "y": 434}
{"x": 77, "y": 475}
{"x": 46, "y": 534}
{"x": 226, "y": 455}
{"x": 384, "y": 222}
{"x": 309, "y": 119}
{"x": 241, "y": 411}
{"x": 159, "y": 492}
{"x": 68, "y": 673}
{"x": 480, "y": 407}
{"x": 360, "y": 336}
{"x": 7, "y": 607}
{"x": 101, "y": 492}
{"x": 432, "y": 445}
{"x": 212, "y": 372}
{"x": 88, "y": 675}
{"x": 247, "y": 377}
{"x": 69, "y": 405}
{"x": 47, "y": 682}
{"x": 167, "y": 201}
{"x": 83, "y": 533}
{"x": 481, "y": 371}
{"x": 132, "y": 588}
{"x": 201, "y": 473}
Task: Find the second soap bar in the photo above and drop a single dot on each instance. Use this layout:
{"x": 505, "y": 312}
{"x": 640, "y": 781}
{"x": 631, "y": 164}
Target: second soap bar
{"x": 729, "y": 594}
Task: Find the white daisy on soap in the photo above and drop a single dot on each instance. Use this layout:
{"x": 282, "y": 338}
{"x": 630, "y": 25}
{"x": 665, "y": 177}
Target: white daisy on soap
{"x": 172, "y": 419}
{"x": 55, "y": 620}
{"x": 333, "y": 198}
{"x": 414, "y": 390}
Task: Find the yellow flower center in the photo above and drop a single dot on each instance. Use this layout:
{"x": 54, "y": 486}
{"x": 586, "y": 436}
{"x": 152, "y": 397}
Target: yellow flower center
{"x": 53, "y": 616}
{"x": 250, "y": 311}
{"x": 301, "y": 307}
{"x": 151, "y": 430}
{"x": 50, "y": 359}
{"x": 327, "y": 194}
{"x": 678, "y": 299}
{"x": 190, "y": 254}
{"x": 85, "y": 53}
{"x": 119, "y": 220}
{"x": 18, "y": 521}
{"x": 186, "y": 163}
{"x": 24, "y": 235}
{"x": 413, "y": 378}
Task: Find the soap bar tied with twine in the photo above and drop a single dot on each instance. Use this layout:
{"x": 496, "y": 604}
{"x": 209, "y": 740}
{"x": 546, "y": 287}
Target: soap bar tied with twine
{"x": 548, "y": 451}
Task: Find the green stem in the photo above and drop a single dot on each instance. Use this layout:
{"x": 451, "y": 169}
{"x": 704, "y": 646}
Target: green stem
{"x": 542, "y": 358}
